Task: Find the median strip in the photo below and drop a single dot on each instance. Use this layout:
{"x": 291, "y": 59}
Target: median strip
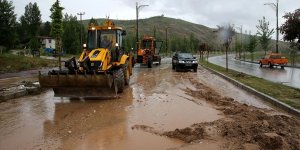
{"x": 284, "y": 97}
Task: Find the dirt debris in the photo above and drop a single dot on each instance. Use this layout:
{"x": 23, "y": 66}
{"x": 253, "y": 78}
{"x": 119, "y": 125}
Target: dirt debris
{"x": 244, "y": 126}
{"x": 187, "y": 134}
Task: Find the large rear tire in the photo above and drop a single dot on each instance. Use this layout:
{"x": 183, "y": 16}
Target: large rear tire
{"x": 150, "y": 63}
{"x": 126, "y": 73}
{"x": 119, "y": 80}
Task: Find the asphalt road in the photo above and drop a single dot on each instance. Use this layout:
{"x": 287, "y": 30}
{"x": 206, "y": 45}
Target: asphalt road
{"x": 287, "y": 76}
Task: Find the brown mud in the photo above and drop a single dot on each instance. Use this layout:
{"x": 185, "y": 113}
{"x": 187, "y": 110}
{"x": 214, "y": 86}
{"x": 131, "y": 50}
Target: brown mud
{"x": 243, "y": 127}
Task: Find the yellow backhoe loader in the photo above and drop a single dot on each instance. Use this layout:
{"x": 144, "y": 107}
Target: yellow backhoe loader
{"x": 103, "y": 69}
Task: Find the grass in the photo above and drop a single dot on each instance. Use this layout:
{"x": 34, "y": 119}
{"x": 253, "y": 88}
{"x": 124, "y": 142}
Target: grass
{"x": 286, "y": 94}
{"x": 14, "y": 63}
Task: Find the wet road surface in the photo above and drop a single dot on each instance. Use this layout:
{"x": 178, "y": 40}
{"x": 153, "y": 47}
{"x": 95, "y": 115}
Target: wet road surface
{"x": 287, "y": 76}
{"x": 155, "y": 97}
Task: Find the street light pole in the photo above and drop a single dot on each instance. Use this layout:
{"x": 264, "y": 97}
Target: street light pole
{"x": 277, "y": 29}
{"x": 81, "y": 14}
{"x": 277, "y": 33}
{"x": 137, "y": 22}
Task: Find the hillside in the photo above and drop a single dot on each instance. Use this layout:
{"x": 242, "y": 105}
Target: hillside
{"x": 177, "y": 29}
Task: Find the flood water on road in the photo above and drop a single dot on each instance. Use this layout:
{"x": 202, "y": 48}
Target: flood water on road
{"x": 288, "y": 76}
{"x": 154, "y": 98}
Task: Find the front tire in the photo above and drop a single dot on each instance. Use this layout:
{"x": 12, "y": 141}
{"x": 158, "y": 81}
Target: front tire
{"x": 270, "y": 65}
{"x": 195, "y": 69}
{"x": 176, "y": 68}
{"x": 260, "y": 64}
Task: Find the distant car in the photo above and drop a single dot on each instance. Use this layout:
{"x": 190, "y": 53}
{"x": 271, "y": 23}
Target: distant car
{"x": 273, "y": 59}
{"x": 184, "y": 61}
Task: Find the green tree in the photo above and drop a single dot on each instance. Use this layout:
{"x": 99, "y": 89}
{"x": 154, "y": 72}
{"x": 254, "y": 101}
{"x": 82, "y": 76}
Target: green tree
{"x": 193, "y": 43}
{"x": 31, "y": 19}
{"x": 291, "y": 32}
{"x": 7, "y": 24}
{"x": 46, "y": 29}
{"x": 31, "y": 22}
{"x": 251, "y": 45}
{"x": 94, "y": 21}
{"x": 57, "y": 27}
{"x": 291, "y": 28}
{"x": 264, "y": 34}
{"x": 71, "y": 34}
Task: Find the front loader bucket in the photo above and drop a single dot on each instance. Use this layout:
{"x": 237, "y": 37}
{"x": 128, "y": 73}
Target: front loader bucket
{"x": 78, "y": 85}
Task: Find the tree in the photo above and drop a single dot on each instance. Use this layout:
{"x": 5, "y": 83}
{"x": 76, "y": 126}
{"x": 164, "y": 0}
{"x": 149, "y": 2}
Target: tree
{"x": 46, "y": 29}
{"x": 264, "y": 34}
{"x": 31, "y": 22}
{"x": 71, "y": 34}
{"x": 56, "y": 27}
{"x": 291, "y": 32}
{"x": 31, "y": 19}
{"x": 94, "y": 21}
{"x": 7, "y": 24}
{"x": 291, "y": 28}
{"x": 193, "y": 43}
{"x": 251, "y": 45}
{"x": 225, "y": 34}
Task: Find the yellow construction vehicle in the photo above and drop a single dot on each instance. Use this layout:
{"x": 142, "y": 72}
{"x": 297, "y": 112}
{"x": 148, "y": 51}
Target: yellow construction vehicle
{"x": 103, "y": 69}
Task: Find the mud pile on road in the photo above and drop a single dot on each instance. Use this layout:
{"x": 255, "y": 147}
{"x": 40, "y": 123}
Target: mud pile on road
{"x": 243, "y": 126}
{"x": 21, "y": 89}
{"x": 247, "y": 125}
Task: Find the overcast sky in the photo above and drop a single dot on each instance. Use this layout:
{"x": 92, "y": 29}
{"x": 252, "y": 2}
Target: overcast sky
{"x": 206, "y": 12}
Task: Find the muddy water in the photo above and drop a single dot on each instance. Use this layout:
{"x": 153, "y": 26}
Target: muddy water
{"x": 154, "y": 98}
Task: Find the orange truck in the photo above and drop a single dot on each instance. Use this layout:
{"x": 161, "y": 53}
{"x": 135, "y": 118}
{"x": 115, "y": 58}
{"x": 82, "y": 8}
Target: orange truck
{"x": 273, "y": 59}
{"x": 148, "y": 51}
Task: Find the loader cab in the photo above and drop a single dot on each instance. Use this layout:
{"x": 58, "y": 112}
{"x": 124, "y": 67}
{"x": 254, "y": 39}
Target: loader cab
{"x": 106, "y": 37}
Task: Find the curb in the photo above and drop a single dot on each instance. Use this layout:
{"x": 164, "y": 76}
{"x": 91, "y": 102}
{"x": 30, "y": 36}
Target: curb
{"x": 261, "y": 95}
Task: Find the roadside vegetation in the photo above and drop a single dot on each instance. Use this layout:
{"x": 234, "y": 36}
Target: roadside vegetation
{"x": 286, "y": 94}
{"x": 14, "y": 63}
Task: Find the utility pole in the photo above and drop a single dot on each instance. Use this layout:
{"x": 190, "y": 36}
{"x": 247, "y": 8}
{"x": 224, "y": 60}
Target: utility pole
{"x": 241, "y": 29}
{"x": 277, "y": 29}
{"x": 167, "y": 40}
{"x": 137, "y": 7}
{"x": 81, "y": 14}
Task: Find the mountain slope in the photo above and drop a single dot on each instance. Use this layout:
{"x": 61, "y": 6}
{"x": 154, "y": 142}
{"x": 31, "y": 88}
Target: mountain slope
{"x": 177, "y": 29}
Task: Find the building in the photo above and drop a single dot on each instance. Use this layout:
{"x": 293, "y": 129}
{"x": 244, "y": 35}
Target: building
{"x": 47, "y": 43}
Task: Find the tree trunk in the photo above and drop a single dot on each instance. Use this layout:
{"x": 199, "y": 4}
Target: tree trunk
{"x": 226, "y": 51}
{"x": 207, "y": 56}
